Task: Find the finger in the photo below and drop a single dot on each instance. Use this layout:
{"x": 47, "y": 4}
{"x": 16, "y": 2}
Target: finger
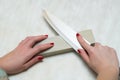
{"x": 32, "y": 62}
{"x": 97, "y": 44}
{"x": 36, "y": 39}
{"x": 83, "y": 43}
{"x": 24, "y": 41}
{"x": 37, "y": 49}
{"x": 42, "y": 47}
{"x": 84, "y": 55}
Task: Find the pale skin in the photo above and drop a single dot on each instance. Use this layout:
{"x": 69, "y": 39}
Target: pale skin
{"x": 101, "y": 59}
{"x": 23, "y": 56}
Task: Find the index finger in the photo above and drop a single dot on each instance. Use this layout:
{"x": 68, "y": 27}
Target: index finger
{"x": 35, "y": 39}
{"x": 83, "y": 43}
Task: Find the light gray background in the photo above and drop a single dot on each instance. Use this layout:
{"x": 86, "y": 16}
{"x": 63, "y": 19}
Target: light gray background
{"x": 21, "y": 18}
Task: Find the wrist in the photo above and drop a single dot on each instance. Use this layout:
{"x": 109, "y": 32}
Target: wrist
{"x": 108, "y": 74}
{"x": 114, "y": 70}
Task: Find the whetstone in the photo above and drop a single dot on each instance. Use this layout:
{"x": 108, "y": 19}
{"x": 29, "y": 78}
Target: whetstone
{"x": 61, "y": 46}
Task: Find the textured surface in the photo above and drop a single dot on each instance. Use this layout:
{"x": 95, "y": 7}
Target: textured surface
{"x": 21, "y": 18}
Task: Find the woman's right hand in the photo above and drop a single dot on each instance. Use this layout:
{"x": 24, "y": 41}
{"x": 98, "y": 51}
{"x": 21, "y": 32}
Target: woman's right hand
{"x": 102, "y": 59}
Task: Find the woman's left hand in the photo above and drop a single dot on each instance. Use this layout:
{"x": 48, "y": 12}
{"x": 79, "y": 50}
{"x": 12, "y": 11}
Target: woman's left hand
{"x": 23, "y": 56}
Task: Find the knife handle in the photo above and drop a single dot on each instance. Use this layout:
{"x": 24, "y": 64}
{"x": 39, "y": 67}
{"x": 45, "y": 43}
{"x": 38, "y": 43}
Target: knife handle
{"x": 60, "y": 46}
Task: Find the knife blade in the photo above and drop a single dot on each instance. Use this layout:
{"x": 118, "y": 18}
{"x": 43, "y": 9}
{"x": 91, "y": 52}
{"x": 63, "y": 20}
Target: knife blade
{"x": 67, "y": 33}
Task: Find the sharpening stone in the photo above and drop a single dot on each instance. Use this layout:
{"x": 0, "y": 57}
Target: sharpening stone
{"x": 61, "y": 46}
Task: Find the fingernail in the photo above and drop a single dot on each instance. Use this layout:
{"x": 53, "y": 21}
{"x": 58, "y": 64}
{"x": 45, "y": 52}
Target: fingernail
{"x": 46, "y": 35}
{"x": 77, "y": 34}
{"x": 79, "y": 51}
{"x": 52, "y": 44}
{"x": 40, "y": 57}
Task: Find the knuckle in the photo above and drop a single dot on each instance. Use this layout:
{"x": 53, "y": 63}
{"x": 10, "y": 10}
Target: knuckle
{"x": 91, "y": 49}
{"x": 110, "y": 48}
{"x": 113, "y": 49}
{"x": 29, "y": 37}
{"x": 21, "y": 42}
{"x": 24, "y": 68}
{"x": 32, "y": 39}
{"x": 107, "y": 47}
{"x": 37, "y": 48}
{"x": 97, "y": 43}
{"x": 82, "y": 41}
{"x": 42, "y": 37}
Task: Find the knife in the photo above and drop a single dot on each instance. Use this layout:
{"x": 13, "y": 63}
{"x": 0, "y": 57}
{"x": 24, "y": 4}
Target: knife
{"x": 67, "y": 33}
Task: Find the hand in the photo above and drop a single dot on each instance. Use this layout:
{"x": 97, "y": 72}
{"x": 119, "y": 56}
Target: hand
{"x": 99, "y": 58}
{"x": 23, "y": 56}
